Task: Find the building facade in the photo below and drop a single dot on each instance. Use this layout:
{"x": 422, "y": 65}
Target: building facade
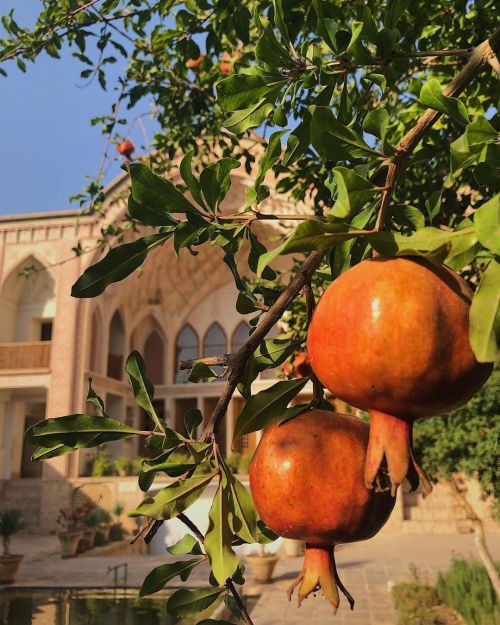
{"x": 50, "y": 344}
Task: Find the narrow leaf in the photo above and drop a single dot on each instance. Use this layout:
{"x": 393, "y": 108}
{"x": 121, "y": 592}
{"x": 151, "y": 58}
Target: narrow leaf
{"x": 184, "y": 602}
{"x": 158, "y": 578}
{"x": 143, "y": 389}
{"x": 262, "y": 408}
{"x": 484, "y": 316}
{"x": 156, "y": 192}
{"x": 186, "y": 545}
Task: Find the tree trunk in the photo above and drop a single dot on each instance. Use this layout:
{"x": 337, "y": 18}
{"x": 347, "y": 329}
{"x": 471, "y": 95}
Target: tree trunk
{"x": 477, "y": 525}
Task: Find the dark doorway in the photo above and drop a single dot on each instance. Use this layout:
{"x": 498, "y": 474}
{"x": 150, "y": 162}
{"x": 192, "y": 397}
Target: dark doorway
{"x": 29, "y": 468}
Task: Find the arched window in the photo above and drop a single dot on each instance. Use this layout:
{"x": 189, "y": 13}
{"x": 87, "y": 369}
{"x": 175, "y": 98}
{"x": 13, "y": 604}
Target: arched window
{"x": 95, "y": 342}
{"x": 240, "y": 335}
{"x": 154, "y": 355}
{"x": 186, "y": 348}
{"x": 215, "y": 344}
{"x": 116, "y": 347}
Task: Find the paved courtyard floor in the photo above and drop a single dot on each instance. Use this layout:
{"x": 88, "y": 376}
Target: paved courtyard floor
{"x": 367, "y": 569}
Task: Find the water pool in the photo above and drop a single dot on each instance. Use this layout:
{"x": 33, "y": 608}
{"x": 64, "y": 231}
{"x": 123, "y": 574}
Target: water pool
{"x": 86, "y": 607}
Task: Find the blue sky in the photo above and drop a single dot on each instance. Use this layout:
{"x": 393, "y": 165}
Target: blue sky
{"x": 47, "y": 144}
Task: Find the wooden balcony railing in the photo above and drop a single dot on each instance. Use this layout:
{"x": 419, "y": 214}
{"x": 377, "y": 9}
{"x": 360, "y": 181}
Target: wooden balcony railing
{"x": 25, "y": 356}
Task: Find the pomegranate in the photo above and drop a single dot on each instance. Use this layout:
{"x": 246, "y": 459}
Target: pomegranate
{"x": 195, "y": 63}
{"x": 126, "y": 148}
{"x": 391, "y": 336}
{"x": 306, "y": 479}
{"x": 300, "y": 368}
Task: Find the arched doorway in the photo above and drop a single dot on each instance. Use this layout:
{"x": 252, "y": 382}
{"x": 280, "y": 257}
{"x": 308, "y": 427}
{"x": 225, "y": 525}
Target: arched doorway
{"x": 116, "y": 347}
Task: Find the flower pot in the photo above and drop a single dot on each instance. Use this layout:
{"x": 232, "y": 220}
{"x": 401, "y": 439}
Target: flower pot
{"x": 293, "y": 548}
{"x": 262, "y": 567}
{"x": 116, "y": 532}
{"x": 105, "y": 529}
{"x": 9, "y": 565}
{"x": 69, "y": 542}
{"x": 89, "y": 535}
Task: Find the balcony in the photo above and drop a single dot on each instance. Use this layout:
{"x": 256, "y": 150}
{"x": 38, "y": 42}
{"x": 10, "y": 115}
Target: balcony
{"x": 25, "y": 357}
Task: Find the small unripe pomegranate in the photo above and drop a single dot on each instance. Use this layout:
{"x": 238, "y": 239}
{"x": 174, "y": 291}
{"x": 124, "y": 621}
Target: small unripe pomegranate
{"x": 126, "y": 148}
{"x": 306, "y": 479}
{"x": 225, "y": 68}
{"x": 391, "y": 336}
{"x": 195, "y": 63}
{"x": 300, "y": 368}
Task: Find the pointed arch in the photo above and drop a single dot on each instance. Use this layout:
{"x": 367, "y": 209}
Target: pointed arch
{"x": 154, "y": 356}
{"x": 28, "y": 302}
{"x": 96, "y": 336}
{"x": 215, "y": 343}
{"x": 116, "y": 346}
{"x": 186, "y": 348}
{"x": 240, "y": 335}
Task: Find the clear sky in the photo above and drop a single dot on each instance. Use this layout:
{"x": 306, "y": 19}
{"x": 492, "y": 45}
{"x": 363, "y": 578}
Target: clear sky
{"x": 47, "y": 145}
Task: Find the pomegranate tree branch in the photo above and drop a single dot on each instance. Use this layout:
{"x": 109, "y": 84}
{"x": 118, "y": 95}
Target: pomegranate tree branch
{"x": 480, "y": 57}
{"x": 241, "y": 357}
{"x": 221, "y": 361}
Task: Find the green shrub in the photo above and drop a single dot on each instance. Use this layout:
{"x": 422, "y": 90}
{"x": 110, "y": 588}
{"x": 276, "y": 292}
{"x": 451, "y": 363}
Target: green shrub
{"x": 466, "y": 588}
{"x": 116, "y": 532}
{"x": 100, "y": 539}
{"x": 102, "y": 465}
{"x": 124, "y": 465}
{"x": 244, "y": 463}
{"x": 414, "y": 602}
{"x": 233, "y": 461}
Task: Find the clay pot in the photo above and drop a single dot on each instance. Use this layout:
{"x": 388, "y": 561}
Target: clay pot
{"x": 262, "y": 567}
{"x": 69, "y": 542}
{"x": 9, "y": 565}
{"x": 293, "y": 548}
{"x": 89, "y": 536}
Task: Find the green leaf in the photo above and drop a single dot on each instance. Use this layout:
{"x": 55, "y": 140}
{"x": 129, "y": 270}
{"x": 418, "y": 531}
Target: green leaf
{"x": 268, "y": 159}
{"x": 431, "y": 243}
{"x": 202, "y": 373}
{"x": 223, "y": 560}
{"x": 376, "y": 122}
{"x": 333, "y": 140}
{"x": 280, "y": 20}
{"x": 149, "y": 215}
{"x": 431, "y": 95}
{"x": 158, "y": 578}
{"x": 433, "y": 204}
{"x": 484, "y": 316}
{"x": 94, "y": 399}
{"x": 173, "y": 464}
{"x": 487, "y": 224}
{"x": 184, "y": 602}
{"x": 326, "y": 26}
{"x": 118, "y": 263}
{"x": 174, "y": 498}
{"x": 463, "y": 248}
{"x": 186, "y": 171}
{"x": 60, "y": 436}
{"x": 241, "y": 91}
{"x": 270, "y": 52}
{"x": 356, "y": 48}
{"x": 292, "y": 412}
{"x": 480, "y": 132}
{"x": 353, "y": 191}
{"x": 309, "y": 236}
{"x": 298, "y": 140}
{"x": 215, "y": 181}
{"x": 211, "y": 621}
{"x": 155, "y": 192}
{"x": 192, "y": 420}
{"x": 395, "y": 9}
{"x": 143, "y": 389}
{"x": 243, "y": 514}
{"x": 256, "y": 251}
{"x": 250, "y": 117}
{"x": 187, "y": 545}
{"x": 262, "y": 408}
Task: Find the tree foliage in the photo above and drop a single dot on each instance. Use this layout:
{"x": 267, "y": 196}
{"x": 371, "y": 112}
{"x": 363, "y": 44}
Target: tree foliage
{"x": 379, "y": 115}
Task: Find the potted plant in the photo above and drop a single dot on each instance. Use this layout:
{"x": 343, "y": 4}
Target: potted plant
{"x": 293, "y": 548}
{"x": 116, "y": 531}
{"x": 71, "y": 531}
{"x": 262, "y": 565}
{"x": 103, "y": 527}
{"x": 124, "y": 466}
{"x": 11, "y": 521}
{"x": 90, "y": 523}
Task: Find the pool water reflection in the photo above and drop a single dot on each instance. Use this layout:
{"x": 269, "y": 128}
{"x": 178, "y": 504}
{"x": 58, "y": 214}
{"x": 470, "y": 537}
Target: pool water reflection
{"x": 86, "y": 607}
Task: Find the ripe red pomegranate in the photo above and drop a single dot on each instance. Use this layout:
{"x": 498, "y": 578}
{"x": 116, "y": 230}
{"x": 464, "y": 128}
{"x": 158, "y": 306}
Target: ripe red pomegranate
{"x": 391, "y": 336}
{"x": 126, "y": 148}
{"x": 195, "y": 63}
{"x": 306, "y": 479}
